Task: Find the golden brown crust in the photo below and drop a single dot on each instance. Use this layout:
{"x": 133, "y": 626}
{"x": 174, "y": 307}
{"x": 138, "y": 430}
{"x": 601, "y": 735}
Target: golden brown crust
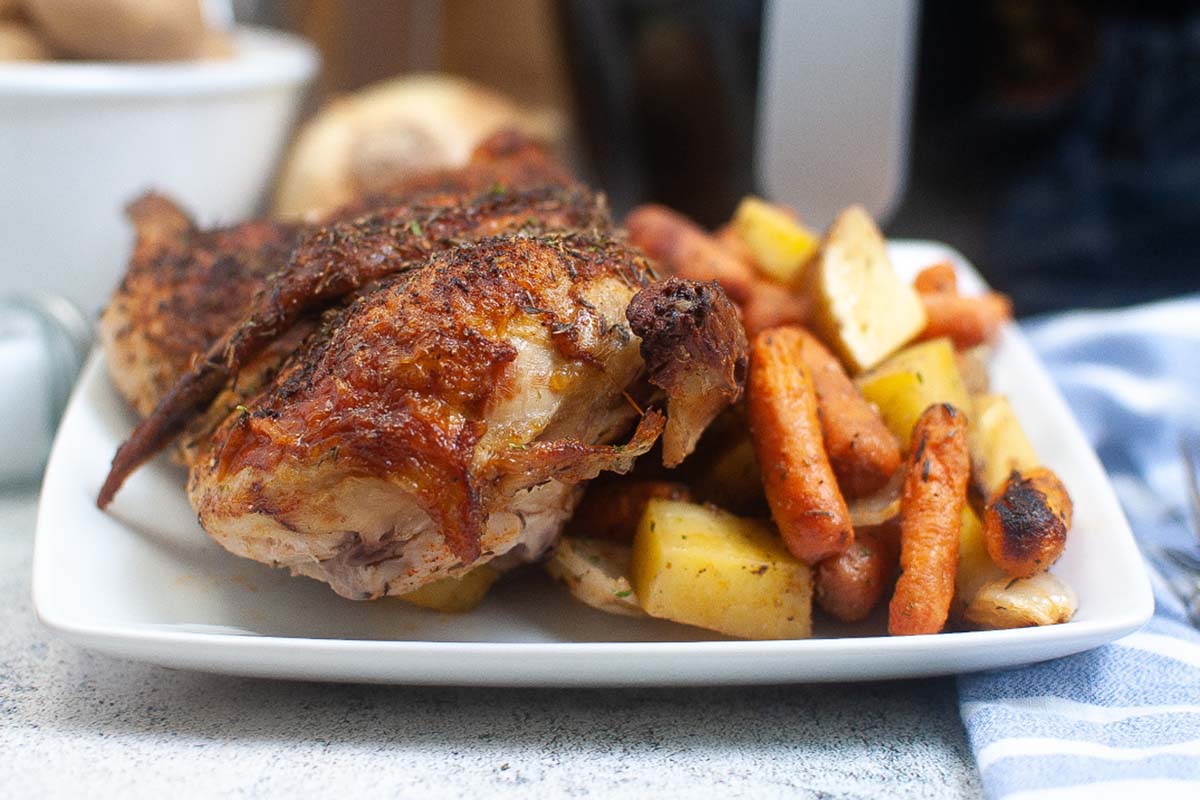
{"x": 334, "y": 261}
{"x": 397, "y": 385}
{"x": 1026, "y": 523}
{"x": 511, "y": 183}
{"x": 183, "y": 288}
{"x": 695, "y": 350}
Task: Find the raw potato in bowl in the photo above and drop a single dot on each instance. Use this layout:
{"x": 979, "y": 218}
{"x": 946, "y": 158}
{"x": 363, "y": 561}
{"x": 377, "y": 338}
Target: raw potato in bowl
{"x": 122, "y": 30}
{"x": 18, "y": 42}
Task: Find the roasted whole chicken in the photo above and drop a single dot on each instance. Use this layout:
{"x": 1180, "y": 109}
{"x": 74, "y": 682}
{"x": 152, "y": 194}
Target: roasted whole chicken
{"x": 418, "y": 384}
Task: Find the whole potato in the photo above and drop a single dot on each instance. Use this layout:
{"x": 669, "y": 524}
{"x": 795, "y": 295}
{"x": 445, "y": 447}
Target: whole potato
{"x": 121, "y": 30}
{"x": 19, "y": 43}
{"x": 390, "y": 130}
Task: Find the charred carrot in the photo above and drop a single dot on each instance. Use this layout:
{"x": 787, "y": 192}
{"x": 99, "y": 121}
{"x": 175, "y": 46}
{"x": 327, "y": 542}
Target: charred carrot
{"x": 1025, "y": 525}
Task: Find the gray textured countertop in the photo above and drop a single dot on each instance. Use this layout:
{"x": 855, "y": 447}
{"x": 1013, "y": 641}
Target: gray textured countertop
{"x": 73, "y": 724}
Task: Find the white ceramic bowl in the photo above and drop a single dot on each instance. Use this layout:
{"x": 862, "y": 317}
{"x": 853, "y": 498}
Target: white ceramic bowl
{"x": 80, "y": 140}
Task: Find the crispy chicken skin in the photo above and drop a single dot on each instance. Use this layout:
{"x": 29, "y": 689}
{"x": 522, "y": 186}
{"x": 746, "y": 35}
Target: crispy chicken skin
{"x": 443, "y": 418}
{"x": 422, "y": 387}
{"x": 183, "y": 288}
{"x": 334, "y": 261}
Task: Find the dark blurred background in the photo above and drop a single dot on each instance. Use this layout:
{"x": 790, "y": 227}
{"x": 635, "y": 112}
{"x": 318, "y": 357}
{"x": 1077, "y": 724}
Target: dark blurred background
{"x": 1056, "y": 144}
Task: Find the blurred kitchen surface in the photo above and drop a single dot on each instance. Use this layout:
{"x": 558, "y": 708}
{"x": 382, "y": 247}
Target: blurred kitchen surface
{"x": 1056, "y": 144}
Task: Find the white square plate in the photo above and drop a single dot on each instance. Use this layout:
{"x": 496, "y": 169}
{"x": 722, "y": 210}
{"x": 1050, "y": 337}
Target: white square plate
{"x": 144, "y": 582}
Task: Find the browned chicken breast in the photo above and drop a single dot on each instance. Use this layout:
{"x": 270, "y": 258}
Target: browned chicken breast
{"x": 421, "y": 431}
{"x": 445, "y": 417}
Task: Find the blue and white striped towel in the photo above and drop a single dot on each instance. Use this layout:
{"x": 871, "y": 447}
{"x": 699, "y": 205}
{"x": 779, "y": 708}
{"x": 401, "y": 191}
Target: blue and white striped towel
{"x": 1124, "y": 719}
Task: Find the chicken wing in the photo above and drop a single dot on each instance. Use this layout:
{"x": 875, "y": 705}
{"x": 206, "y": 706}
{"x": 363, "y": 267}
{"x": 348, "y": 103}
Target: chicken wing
{"x": 183, "y": 289}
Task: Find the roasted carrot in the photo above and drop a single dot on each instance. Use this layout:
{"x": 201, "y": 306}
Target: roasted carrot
{"x": 769, "y": 305}
{"x": 937, "y": 278}
{"x": 685, "y": 249}
{"x": 967, "y": 321}
{"x": 1025, "y": 524}
{"x": 612, "y": 507}
{"x": 733, "y": 243}
{"x": 862, "y": 451}
{"x": 931, "y": 503}
{"x": 801, "y": 489}
{"x": 850, "y": 584}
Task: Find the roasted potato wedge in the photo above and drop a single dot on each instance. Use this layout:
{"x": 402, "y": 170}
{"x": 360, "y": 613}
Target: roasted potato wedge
{"x": 455, "y": 595}
{"x": 704, "y": 567}
{"x": 861, "y": 308}
{"x": 998, "y": 443}
{"x": 913, "y": 380}
{"x": 975, "y": 567}
{"x": 779, "y": 244}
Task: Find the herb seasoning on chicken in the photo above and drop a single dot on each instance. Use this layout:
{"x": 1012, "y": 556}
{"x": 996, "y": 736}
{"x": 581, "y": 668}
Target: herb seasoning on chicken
{"x": 471, "y": 367}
